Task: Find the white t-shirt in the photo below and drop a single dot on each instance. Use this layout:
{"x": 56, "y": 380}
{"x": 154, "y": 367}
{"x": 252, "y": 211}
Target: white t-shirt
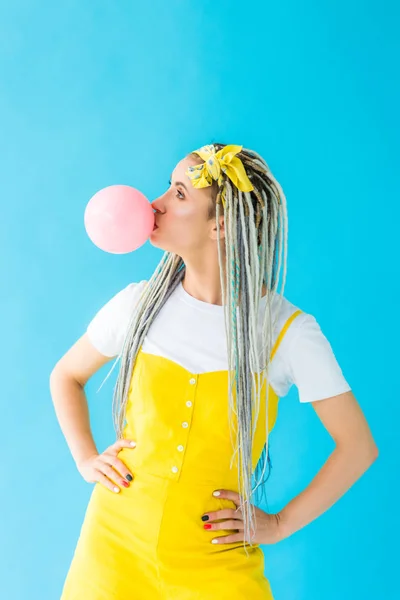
{"x": 191, "y": 333}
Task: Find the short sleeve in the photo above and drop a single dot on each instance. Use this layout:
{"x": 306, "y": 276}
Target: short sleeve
{"x": 107, "y": 329}
{"x": 312, "y": 364}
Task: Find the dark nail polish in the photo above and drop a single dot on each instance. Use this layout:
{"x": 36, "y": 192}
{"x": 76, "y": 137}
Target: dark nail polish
{"x": 205, "y": 518}
{"x": 129, "y": 477}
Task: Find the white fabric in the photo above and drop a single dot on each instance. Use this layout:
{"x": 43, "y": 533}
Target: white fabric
{"x": 191, "y": 333}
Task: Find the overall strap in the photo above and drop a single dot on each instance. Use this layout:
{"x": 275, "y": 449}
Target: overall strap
{"x": 283, "y": 331}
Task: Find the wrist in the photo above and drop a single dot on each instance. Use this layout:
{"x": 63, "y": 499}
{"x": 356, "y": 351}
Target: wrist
{"x": 85, "y": 457}
{"x": 285, "y": 528}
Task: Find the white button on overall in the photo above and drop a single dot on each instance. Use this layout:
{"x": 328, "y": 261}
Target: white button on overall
{"x": 174, "y": 469}
{"x": 185, "y": 424}
{"x": 192, "y": 381}
{"x": 189, "y": 403}
{"x": 180, "y": 447}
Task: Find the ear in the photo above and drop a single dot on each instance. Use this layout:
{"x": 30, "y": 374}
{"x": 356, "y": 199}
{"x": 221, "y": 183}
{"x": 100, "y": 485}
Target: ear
{"x": 214, "y": 232}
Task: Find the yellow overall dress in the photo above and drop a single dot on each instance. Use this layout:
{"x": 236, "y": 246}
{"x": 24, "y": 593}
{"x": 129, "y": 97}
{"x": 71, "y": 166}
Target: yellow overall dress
{"x": 147, "y": 542}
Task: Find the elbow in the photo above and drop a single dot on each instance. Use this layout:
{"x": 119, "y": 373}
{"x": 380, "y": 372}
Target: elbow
{"x": 373, "y": 452}
{"x": 53, "y": 376}
{"x": 370, "y": 449}
{"x": 368, "y": 454}
{"x": 54, "y": 371}
{"x": 365, "y": 454}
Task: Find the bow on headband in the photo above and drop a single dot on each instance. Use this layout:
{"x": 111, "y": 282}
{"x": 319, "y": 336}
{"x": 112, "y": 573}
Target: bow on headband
{"x": 217, "y": 163}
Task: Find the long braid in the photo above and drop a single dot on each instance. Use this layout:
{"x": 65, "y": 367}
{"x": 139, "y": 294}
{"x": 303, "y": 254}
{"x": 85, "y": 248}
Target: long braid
{"x": 255, "y": 240}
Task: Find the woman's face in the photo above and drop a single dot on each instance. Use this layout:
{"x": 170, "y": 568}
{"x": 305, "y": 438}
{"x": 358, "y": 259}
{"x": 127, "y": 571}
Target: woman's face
{"x": 181, "y": 215}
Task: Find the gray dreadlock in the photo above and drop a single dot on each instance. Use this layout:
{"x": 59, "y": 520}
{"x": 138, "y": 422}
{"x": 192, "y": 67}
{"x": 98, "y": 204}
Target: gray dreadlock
{"x": 255, "y": 241}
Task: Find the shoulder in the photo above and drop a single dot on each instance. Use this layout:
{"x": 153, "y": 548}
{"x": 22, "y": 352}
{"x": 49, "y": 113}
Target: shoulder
{"x": 108, "y": 326}
{"x": 290, "y": 320}
{"x": 297, "y": 328}
{"x": 128, "y": 295}
{"x": 123, "y": 301}
{"x": 307, "y": 357}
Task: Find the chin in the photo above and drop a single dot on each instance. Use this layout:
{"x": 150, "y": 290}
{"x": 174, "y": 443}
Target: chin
{"x": 154, "y": 242}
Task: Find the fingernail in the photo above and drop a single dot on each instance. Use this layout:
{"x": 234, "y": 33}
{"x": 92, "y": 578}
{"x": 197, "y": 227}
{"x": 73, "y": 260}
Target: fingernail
{"x": 205, "y": 518}
{"x": 216, "y": 493}
{"x": 125, "y": 484}
{"x": 116, "y": 490}
{"x": 133, "y": 443}
{"x": 207, "y": 526}
{"x": 129, "y": 477}
{"x": 215, "y": 541}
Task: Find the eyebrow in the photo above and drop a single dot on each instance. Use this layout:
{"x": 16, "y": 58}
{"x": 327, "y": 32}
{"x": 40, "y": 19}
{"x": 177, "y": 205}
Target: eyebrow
{"x": 178, "y": 183}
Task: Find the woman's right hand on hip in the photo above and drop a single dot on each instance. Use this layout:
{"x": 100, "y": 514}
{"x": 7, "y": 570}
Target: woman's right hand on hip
{"x": 106, "y": 468}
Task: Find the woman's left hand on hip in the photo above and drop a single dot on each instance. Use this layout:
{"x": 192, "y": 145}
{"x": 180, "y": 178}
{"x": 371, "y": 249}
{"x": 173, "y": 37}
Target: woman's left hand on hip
{"x": 267, "y": 525}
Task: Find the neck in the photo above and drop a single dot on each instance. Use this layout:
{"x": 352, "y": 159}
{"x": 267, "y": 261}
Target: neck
{"x": 205, "y": 285}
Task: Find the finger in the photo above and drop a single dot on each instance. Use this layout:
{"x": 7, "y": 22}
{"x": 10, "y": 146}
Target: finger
{"x": 118, "y": 465}
{"x": 230, "y": 495}
{"x": 229, "y": 524}
{"x": 123, "y": 443}
{"x": 225, "y": 513}
{"x": 112, "y": 474}
{"x": 228, "y": 539}
{"x": 104, "y": 481}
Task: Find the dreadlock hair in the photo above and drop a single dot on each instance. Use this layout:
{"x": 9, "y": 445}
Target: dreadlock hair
{"x": 255, "y": 241}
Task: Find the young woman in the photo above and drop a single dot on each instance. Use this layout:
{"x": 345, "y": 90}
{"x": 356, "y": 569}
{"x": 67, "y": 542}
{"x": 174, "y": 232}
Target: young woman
{"x": 207, "y": 347}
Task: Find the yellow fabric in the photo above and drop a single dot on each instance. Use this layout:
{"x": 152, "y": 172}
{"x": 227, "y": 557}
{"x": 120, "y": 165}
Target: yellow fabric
{"x": 148, "y": 542}
{"x": 217, "y": 163}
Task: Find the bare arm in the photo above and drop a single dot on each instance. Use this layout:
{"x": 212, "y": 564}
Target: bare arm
{"x": 67, "y": 382}
{"x": 354, "y": 453}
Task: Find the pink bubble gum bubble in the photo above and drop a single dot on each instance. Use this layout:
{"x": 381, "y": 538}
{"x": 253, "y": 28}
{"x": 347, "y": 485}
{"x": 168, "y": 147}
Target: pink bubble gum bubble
{"x": 119, "y": 219}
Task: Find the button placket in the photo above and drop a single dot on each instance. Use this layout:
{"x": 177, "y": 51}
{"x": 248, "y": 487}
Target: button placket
{"x": 184, "y": 425}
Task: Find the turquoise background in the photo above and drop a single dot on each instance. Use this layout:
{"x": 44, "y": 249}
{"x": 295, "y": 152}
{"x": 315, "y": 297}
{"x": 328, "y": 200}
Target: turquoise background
{"x": 96, "y": 93}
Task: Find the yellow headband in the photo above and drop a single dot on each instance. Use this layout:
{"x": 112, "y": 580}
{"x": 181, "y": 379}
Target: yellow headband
{"x": 217, "y": 163}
